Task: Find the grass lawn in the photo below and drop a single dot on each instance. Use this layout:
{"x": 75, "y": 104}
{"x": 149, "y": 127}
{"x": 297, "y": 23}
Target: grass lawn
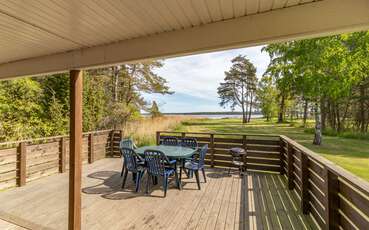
{"x": 351, "y": 154}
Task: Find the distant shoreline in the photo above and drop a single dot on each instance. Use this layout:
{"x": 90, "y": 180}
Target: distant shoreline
{"x": 209, "y": 113}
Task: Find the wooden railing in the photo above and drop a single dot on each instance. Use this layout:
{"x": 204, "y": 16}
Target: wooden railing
{"x": 263, "y": 151}
{"x": 27, "y": 160}
{"x": 334, "y": 198}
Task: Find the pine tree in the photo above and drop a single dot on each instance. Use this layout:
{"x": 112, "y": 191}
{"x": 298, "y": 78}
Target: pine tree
{"x": 239, "y": 87}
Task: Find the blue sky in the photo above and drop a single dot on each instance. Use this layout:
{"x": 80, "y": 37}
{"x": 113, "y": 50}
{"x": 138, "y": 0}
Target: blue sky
{"x": 195, "y": 79}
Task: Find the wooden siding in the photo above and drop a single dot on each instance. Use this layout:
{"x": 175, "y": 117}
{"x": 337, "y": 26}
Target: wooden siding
{"x": 43, "y": 157}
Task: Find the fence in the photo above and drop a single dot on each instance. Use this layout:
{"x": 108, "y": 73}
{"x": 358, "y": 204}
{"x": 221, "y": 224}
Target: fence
{"x": 27, "y": 160}
{"x": 263, "y": 150}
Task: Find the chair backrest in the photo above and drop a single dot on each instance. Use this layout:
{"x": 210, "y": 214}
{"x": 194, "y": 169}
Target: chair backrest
{"x": 155, "y": 161}
{"x": 126, "y": 143}
{"x": 173, "y": 141}
{"x": 189, "y": 142}
{"x": 203, "y": 151}
{"x": 130, "y": 159}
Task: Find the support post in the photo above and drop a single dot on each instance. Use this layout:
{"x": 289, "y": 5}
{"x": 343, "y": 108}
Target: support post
{"x": 331, "y": 201}
{"x": 304, "y": 184}
{"x": 62, "y": 155}
{"x": 290, "y": 166}
{"x": 158, "y": 138}
{"x": 91, "y": 148}
{"x": 212, "y": 149}
{"x": 75, "y": 162}
{"x": 21, "y": 164}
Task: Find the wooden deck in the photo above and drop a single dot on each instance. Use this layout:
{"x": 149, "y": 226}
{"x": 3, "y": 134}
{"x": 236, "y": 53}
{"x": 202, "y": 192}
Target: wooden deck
{"x": 254, "y": 201}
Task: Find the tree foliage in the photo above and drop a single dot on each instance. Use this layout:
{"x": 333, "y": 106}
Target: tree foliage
{"x": 330, "y": 73}
{"x": 154, "y": 110}
{"x": 36, "y": 107}
{"x": 239, "y": 87}
{"x": 266, "y": 97}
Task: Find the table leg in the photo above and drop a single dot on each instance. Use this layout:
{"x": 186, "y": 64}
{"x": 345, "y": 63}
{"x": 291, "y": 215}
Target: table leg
{"x": 181, "y": 164}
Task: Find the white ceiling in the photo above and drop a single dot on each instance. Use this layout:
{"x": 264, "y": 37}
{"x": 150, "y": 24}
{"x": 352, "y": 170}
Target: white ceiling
{"x": 32, "y": 28}
{"x": 47, "y": 36}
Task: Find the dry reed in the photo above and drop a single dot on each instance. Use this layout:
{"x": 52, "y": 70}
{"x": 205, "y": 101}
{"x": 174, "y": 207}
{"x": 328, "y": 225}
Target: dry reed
{"x": 143, "y": 131}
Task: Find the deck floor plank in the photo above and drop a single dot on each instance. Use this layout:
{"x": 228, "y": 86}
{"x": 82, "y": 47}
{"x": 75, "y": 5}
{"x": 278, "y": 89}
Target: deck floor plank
{"x": 252, "y": 201}
{"x": 280, "y": 207}
{"x": 260, "y": 207}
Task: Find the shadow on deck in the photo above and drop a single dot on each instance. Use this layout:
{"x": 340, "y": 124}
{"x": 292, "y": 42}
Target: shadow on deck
{"x": 253, "y": 201}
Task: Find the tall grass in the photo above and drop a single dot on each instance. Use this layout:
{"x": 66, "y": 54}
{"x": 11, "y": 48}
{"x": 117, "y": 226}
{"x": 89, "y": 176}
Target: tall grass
{"x": 143, "y": 131}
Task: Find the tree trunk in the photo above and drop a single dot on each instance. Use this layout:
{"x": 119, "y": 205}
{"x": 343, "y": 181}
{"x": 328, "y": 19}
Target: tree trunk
{"x": 250, "y": 108}
{"x": 323, "y": 112}
{"x": 338, "y": 117}
{"x": 318, "y": 126}
{"x": 243, "y": 114}
{"x": 305, "y": 112}
{"x": 281, "y": 110}
{"x": 115, "y": 71}
{"x": 362, "y": 109}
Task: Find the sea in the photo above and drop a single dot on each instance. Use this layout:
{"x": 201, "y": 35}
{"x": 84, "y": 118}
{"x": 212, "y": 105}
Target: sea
{"x": 217, "y": 116}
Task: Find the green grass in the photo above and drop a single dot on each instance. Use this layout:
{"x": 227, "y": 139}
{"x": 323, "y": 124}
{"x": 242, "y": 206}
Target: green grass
{"x": 351, "y": 154}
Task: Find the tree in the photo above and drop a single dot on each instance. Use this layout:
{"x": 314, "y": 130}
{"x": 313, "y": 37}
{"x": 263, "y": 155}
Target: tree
{"x": 330, "y": 73}
{"x": 128, "y": 83}
{"x": 20, "y": 109}
{"x": 154, "y": 111}
{"x": 239, "y": 87}
{"x": 266, "y": 97}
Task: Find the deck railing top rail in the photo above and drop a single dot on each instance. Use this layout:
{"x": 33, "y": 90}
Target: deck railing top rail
{"x": 53, "y": 138}
{"x": 223, "y": 134}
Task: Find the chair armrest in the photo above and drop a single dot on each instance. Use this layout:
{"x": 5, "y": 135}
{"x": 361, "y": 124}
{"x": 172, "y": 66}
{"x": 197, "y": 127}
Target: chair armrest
{"x": 172, "y": 162}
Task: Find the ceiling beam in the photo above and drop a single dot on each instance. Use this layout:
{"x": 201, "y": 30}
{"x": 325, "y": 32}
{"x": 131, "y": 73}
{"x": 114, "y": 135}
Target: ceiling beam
{"x": 303, "y": 21}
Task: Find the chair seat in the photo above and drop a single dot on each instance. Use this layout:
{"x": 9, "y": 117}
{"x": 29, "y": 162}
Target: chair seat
{"x": 141, "y": 168}
{"x": 192, "y": 165}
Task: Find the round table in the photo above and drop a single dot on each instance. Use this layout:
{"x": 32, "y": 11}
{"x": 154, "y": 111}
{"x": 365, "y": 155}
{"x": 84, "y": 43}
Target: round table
{"x": 173, "y": 152}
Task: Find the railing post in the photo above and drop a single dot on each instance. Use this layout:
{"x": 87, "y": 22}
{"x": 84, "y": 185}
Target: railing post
{"x": 62, "y": 155}
{"x": 91, "y": 148}
{"x": 304, "y": 183}
{"x": 290, "y": 166}
{"x": 281, "y": 153}
{"x": 21, "y": 164}
{"x": 244, "y": 146}
{"x": 331, "y": 201}
{"x": 212, "y": 149}
{"x": 112, "y": 134}
{"x": 158, "y": 138}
